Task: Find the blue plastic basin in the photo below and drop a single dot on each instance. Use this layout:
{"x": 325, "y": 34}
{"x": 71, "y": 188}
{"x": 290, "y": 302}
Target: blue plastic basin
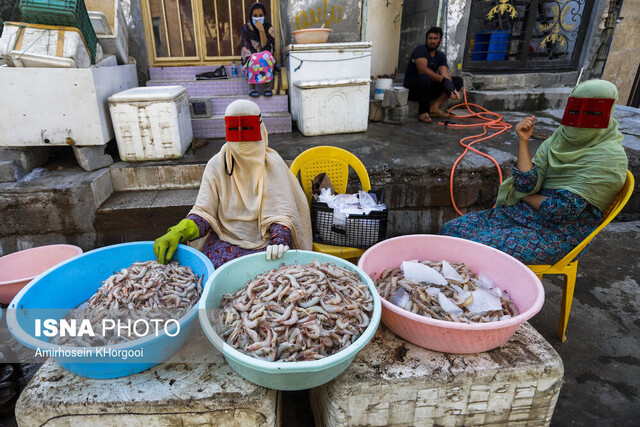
{"x": 280, "y": 375}
{"x": 53, "y": 293}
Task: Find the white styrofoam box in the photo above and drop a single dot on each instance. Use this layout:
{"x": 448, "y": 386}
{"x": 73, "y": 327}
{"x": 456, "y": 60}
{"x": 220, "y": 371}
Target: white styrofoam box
{"x": 58, "y": 106}
{"x": 151, "y": 123}
{"x": 325, "y": 61}
{"x": 100, "y": 23}
{"x": 332, "y": 106}
{"x": 116, "y": 42}
{"x": 107, "y": 61}
{"x": 392, "y": 382}
{"x": 196, "y": 387}
{"x": 43, "y": 46}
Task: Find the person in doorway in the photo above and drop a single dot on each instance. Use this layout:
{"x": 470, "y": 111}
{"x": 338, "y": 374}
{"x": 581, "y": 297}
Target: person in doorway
{"x": 248, "y": 201}
{"x": 258, "y": 44}
{"x": 556, "y": 200}
{"x": 428, "y": 78}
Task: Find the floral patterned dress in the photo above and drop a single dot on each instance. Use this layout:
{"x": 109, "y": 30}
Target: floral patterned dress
{"x": 532, "y": 236}
{"x": 220, "y": 251}
{"x": 257, "y": 61}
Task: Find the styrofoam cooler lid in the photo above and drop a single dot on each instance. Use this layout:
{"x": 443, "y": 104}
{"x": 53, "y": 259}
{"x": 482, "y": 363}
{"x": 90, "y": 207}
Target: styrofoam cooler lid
{"x": 328, "y": 46}
{"x": 100, "y": 23}
{"x": 148, "y": 93}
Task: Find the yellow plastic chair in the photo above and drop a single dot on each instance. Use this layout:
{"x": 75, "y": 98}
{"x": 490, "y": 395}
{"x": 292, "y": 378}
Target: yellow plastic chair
{"x": 569, "y": 267}
{"x": 335, "y": 163}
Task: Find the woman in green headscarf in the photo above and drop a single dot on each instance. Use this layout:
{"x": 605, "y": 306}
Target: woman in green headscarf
{"x": 557, "y": 199}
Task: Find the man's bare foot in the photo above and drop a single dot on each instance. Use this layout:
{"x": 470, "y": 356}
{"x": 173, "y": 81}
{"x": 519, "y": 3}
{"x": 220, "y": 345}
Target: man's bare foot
{"x": 424, "y": 117}
{"x": 439, "y": 114}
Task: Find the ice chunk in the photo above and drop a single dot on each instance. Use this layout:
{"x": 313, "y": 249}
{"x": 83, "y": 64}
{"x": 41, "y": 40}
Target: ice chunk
{"x": 400, "y": 298}
{"x": 433, "y": 291}
{"x": 450, "y": 273}
{"x": 448, "y": 305}
{"x": 485, "y": 281}
{"x": 463, "y": 294}
{"x": 422, "y": 273}
{"x": 484, "y": 301}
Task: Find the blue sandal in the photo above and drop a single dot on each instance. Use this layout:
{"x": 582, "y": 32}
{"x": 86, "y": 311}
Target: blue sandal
{"x": 254, "y": 93}
{"x": 268, "y": 92}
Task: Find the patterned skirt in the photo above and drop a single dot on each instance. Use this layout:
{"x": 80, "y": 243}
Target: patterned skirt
{"x": 259, "y": 67}
{"x": 520, "y": 231}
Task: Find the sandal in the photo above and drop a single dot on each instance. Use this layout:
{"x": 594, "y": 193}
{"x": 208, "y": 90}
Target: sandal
{"x": 254, "y": 93}
{"x": 424, "y": 117}
{"x": 268, "y": 92}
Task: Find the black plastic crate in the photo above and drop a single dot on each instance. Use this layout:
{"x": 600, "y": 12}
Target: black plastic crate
{"x": 360, "y": 231}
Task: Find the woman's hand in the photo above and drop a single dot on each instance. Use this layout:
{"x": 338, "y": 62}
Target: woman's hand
{"x": 524, "y": 129}
{"x": 259, "y": 26}
{"x": 275, "y": 252}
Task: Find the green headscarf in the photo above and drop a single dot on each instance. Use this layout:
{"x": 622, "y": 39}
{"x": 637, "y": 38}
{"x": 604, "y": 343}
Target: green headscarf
{"x": 588, "y": 162}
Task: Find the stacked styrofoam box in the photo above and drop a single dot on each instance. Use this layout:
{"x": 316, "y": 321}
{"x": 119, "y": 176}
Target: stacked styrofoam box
{"x": 35, "y": 45}
{"x": 151, "y": 123}
{"x": 108, "y": 21}
{"x": 329, "y": 86}
{"x": 57, "y": 106}
{"x": 395, "y": 383}
{"x": 329, "y": 107}
{"x": 195, "y": 387}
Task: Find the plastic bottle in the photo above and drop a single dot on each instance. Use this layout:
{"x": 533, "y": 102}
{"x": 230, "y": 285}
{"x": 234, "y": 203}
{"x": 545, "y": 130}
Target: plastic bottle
{"x": 234, "y": 70}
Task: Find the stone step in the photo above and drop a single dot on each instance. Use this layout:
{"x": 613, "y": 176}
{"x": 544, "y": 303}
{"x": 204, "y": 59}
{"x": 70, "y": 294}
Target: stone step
{"x": 268, "y": 104}
{"x": 136, "y": 176}
{"x": 214, "y": 127}
{"x": 128, "y": 216}
{"x": 184, "y": 73}
{"x": 525, "y": 100}
{"x": 207, "y": 88}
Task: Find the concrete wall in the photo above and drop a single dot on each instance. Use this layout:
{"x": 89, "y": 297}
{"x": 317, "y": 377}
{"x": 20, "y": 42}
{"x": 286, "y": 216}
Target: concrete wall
{"x": 344, "y": 17}
{"x": 137, "y": 45}
{"x": 624, "y": 56}
{"x": 417, "y": 17}
{"x": 383, "y": 25}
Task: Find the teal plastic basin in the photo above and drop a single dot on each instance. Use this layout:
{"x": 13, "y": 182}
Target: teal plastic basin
{"x": 280, "y": 375}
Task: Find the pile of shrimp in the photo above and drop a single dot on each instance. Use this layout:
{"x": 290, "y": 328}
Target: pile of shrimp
{"x": 145, "y": 290}
{"x": 295, "y": 313}
{"x": 423, "y": 298}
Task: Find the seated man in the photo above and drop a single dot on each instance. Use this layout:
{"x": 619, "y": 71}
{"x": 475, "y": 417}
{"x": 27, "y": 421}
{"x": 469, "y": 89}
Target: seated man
{"x": 428, "y": 79}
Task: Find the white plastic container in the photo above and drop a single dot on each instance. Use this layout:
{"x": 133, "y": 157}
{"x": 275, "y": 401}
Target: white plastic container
{"x": 332, "y": 106}
{"x": 328, "y": 62}
{"x": 34, "y": 45}
{"x": 381, "y": 86}
{"x": 113, "y": 38}
{"x": 151, "y": 123}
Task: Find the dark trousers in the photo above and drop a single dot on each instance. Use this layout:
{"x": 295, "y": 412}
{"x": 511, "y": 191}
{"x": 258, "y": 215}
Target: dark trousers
{"x": 424, "y": 90}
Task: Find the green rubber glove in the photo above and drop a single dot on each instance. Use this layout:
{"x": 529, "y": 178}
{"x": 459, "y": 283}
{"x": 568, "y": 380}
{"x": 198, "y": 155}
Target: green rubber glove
{"x": 165, "y": 246}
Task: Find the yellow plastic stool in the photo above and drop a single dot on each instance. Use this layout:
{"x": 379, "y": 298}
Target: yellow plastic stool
{"x": 569, "y": 267}
{"x": 335, "y": 162}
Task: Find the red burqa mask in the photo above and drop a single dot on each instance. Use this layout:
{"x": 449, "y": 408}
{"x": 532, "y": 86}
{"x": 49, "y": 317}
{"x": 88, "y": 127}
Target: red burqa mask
{"x": 591, "y": 113}
{"x": 242, "y": 128}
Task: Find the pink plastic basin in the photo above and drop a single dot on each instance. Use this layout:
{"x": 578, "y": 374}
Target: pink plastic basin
{"x": 19, "y": 268}
{"x": 509, "y": 274}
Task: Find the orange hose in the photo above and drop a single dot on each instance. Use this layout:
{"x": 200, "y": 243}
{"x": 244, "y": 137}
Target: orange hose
{"x": 489, "y": 123}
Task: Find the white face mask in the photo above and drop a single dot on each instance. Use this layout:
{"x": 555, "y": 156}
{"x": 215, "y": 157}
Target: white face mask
{"x": 261, "y": 19}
